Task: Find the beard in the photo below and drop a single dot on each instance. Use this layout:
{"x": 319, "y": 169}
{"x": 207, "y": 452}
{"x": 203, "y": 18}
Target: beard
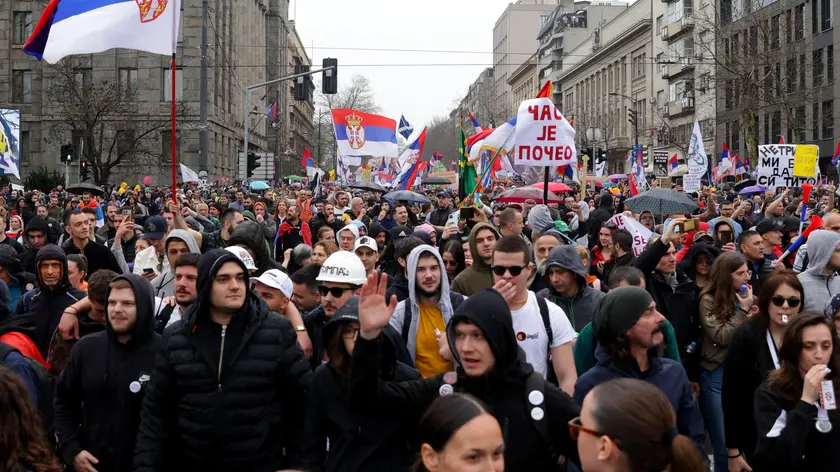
{"x": 424, "y": 293}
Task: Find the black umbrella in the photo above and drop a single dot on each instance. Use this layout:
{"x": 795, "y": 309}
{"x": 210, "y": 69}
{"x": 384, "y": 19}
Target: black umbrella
{"x": 661, "y": 201}
{"x": 436, "y": 181}
{"x": 370, "y": 186}
{"x": 406, "y": 196}
{"x": 744, "y": 184}
{"x": 83, "y": 187}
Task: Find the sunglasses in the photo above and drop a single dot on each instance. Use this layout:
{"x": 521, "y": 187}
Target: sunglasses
{"x": 514, "y": 270}
{"x": 575, "y": 428}
{"x": 779, "y": 301}
{"x": 450, "y": 263}
{"x": 336, "y": 292}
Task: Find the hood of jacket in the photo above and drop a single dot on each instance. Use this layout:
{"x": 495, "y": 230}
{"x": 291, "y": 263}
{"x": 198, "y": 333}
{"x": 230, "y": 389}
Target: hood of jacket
{"x": 445, "y": 304}
{"x": 606, "y": 202}
{"x": 565, "y": 257}
{"x": 376, "y": 228}
{"x": 36, "y": 223}
{"x": 51, "y": 252}
{"x": 478, "y": 262}
{"x": 250, "y": 234}
{"x": 715, "y": 222}
{"x": 144, "y": 328}
{"x": 182, "y": 235}
{"x": 821, "y": 246}
{"x": 690, "y": 259}
{"x": 489, "y": 311}
{"x": 10, "y": 261}
{"x": 208, "y": 267}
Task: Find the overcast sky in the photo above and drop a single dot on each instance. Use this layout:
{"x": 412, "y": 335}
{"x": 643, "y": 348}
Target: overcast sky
{"x": 336, "y": 27}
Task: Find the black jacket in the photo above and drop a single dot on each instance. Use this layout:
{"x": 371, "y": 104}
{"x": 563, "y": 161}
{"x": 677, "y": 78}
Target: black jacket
{"x": 27, "y": 257}
{"x": 95, "y": 407}
{"x": 614, "y": 263}
{"x": 680, "y": 305}
{"x": 98, "y": 256}
{"x": 357, "y": 441}
{"x": 249, "y": 234}
{"x": 398, "y": 285}
{"x": 47, "y": 304}
{"x": 503, "y": 390}
{"x": 748, "y": 362}
{"x": 798, "y": 446}
{"x": 599, "y": 217}
{"x": 246, "y": 416}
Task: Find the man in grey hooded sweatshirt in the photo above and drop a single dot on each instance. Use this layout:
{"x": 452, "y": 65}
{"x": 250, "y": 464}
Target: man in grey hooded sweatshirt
{"x": 820, "y": 280}
{"x": 565, "y": 276}
{"x": 177, "y": 242}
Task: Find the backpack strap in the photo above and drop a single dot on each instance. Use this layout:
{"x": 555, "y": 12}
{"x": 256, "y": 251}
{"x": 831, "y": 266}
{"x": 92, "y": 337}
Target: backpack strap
{"x": 407, "y": 315}
{"x": 546, "y": 320}
{"x": 162, "y": 318}
{"x": 535, "y": 402}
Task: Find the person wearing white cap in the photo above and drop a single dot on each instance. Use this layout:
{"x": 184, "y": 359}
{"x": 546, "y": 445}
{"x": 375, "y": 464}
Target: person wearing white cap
{"x": 275, "y": 288}
{"x": 366, "y": 249}
{"x": 347, "y": 237}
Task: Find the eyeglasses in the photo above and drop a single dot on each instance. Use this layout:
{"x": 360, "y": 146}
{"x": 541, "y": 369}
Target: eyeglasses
{"x": 336, "y": 292}
{"x": 514, "y": 270}
{"x": 575, "y": 428}
{"x": 779, "y": 301}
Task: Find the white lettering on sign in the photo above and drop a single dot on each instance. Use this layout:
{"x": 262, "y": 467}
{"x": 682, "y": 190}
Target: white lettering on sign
{"x": 775, "y": 167}
{"x": 543, "y": 137}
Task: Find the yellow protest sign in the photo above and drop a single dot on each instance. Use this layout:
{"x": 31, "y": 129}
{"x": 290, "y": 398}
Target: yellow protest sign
{"x": 805, "y": 161}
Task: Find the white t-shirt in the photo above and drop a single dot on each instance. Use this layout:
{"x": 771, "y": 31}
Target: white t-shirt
{"x": 530, "y": 331}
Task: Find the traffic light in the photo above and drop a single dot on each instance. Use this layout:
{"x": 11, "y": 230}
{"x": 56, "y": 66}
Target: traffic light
{"x": 252, "y": 164}
{"x": 83, "y": 170}
{"x": 633, "y": 115}
{"x": 67, "y": 153}
{"x": 329, "y": 80}
{"x": 302, "y": 83}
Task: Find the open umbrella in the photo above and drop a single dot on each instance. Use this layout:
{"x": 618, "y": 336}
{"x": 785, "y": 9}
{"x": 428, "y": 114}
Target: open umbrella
{"x": 556, "y": 187}
{"x": 259, "y": 185}
{"x": 406, "y": 196}
{"x": 83, "y": 187}
{"x": 617, "y": 177}
{"x": 661, "y": 201}
{"x": 751, "y": 190}
{"x": 436, "y": 181}
{"x": 370, "y": 186}
{"x": 744, "y": 184}
{"x": 147, "y": 180}
{"x": 523, "y": 194}
{"x": 294, "y": 178}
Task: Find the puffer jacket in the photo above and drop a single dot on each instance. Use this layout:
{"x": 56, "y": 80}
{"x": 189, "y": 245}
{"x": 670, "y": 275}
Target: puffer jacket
{"x": 225, "y": 399}
{"x": 580, "y": 308}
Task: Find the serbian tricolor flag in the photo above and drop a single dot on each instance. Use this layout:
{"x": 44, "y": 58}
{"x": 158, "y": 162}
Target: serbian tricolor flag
{"x": 836, "y": 158}
{"x": 740, "y": 169}
{"x": 633, "y": 190}
{"x": 546, "y": 90}
{"x": 412, "y": 164}
{"x": 673, "y": 163}
{"x": 309, "y": 164}
{"x": 363, "y": 134}
{"x": 68, "y": 27}
{"x": 476, "y": 125}
{"x": 272, "y": 111}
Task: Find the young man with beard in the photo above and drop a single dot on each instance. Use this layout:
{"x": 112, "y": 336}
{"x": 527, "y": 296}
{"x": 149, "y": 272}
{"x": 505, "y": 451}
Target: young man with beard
{"x": 567, "y": 288}
{"x": 291, "y": 232}
{"x": 177, "y": 243}
{"x": 629, "y": 330}
{"x": 99, "y": 393}
{"x": 185, "y": 274}
{"x": 478, "y": 276}
{"x": 228, "y": 347}
{"x": 422, "y": 317}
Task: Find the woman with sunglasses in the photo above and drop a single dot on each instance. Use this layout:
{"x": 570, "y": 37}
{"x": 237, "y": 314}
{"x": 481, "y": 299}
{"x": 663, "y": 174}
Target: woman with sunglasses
{"x": 797, "y": 432}
{"x": 357, "y": 441}
{"x": 752, "y": 354}
{"x": 453, "y": 258}
{"x": 724, "y": 306}
{"x": 628, "y": 425}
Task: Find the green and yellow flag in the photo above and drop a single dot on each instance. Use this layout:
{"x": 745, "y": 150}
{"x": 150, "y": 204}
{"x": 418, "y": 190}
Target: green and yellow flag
{"x": 467, "y": 177}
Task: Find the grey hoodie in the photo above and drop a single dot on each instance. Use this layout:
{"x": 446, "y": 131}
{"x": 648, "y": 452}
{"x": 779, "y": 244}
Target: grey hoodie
{"x": 819, "y": 288}
{"x": 444, "y": 305}
{"x": 581, "y": 308}
{"x": 164, "y": 284}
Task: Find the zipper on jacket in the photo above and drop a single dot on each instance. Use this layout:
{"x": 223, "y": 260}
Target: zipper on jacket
{"x": 221, "y": 357}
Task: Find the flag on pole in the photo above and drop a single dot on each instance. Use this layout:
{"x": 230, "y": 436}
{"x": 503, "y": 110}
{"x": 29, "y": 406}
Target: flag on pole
{"x": 546, "y": 90}
{"x": 410, "y": 162}
{"x": 188, "y": 175}
{"x": 362, "y": 134}
{"x": 68, "y": 27}
{"x": 405, "y": 128}
{"x": 836, "y": 159}
{"x": 476, "y": 125}
{"x": 309, "y": 164}
{"x": 9, "y": 147}
{"x": 740, "y": 167}
{"x": 466, "y": 173}
{"x": 673, "y": 163}
{"x": 271, "y": 111}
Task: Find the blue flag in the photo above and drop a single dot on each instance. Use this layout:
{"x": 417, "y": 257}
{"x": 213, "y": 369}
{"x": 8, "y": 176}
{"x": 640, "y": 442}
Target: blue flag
{"x": 405, "y": 129}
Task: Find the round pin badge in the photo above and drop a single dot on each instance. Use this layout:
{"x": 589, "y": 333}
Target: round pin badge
{"x": 445, "y": 389}
{"x": 134, "y": 387}
{"x": 450, "y": 377}
{"x": 536, "y": 397}
{"x": 537, "y": 413}
{"x": 824, "y": 426}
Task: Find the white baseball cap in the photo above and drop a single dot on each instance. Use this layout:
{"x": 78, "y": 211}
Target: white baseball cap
{"x": 277, "y": 280}
{"x": 366, "y": 241}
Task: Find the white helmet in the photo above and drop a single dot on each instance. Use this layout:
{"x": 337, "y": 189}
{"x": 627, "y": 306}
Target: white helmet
{"x": 343, "y": 267}
{"x": 243, "y": 256}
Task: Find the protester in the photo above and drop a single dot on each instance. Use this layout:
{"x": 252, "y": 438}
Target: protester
{"x": 751, "y": 245}
{"x": 453, "y": 258}
{"x": 177, "y": 243}
{"x": 98, "y": 256}
{"x": 367, "y": 251}
{"x": 821, "y": 281}
{"x": 347, "y": 237}
{"x": 478, "y": 276}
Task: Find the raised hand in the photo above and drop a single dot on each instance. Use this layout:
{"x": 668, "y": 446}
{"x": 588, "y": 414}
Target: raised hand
{"x": 374, "y": 313}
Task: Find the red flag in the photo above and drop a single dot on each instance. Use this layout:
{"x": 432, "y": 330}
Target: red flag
{"x": 782, "y": 140}
{"x": 546, "y": 90}
{"x": 633, "y": 190}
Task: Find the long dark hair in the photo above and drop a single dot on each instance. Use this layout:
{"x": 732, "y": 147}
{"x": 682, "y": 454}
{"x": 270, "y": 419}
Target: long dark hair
{"x": 787, "y": 380}
{"x": 339, "y": 358}
{"x": 720, "y": 284}
{"x": 444, "y": 418}
{"x": 457, "y": 250}
{"x": 23, "y": 442}
{"x": 779, "y": 278}
{"x": 638, "y": 417}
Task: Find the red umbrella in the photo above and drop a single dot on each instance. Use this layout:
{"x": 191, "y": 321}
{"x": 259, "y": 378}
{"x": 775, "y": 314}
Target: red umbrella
{"x": 147, "y": 180}
{"x": 522, "y": 194}
{"x": 556, "y": 187}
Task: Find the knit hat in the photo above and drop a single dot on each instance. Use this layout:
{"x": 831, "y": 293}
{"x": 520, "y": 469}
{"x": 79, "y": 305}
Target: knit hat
{"x": 618, "y": 311}
{"x": 248, "y": 215}
{"x": 259, "y": 204}
{"x": 832, "y": 306}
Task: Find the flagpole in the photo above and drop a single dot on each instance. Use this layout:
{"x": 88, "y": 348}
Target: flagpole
{"x": 176, "y": 9}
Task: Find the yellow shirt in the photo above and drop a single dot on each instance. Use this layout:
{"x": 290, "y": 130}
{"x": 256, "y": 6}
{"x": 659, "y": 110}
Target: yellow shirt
{"x": 427, "y": 353}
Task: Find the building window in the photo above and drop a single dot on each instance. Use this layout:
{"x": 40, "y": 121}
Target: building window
{"x": 736, "y": 137}
{"x": 658, "y": 25}
{"x": 777, "y": 126}
{"x": 800, "y": 124}
{"x": 21, "y": 86}
{"x": 828, "y": 119}
{"x": 125, "y": 144}
{"x": 829, "y": 63}
{"x": 802, "y": 84}
{"x": 767, "y": 138}
{"x": 815, "y": 121}
{"x": 83, "y": 78}
{"x": 788, "y": 27}
{"x": 24, "y": 147}
{"x": 128, "y": 82}
{"x": 639, "y": 66}
{"x": 799, "y": 22}
{"x": 825, "y": 7}
{"x": 790, "y": 71}
{"x": 23, "y": 27}
{"x": 814, "y": 18}
{"x": 775, "y": 32}
{"x": 778, "y": 78}
{"x": 818, "y": 67}
{"x": 167, "y": 85}
{"x": 675, "y": 11}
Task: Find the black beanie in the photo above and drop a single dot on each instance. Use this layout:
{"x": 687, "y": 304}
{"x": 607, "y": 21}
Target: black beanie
{"x": 619, "y": 311}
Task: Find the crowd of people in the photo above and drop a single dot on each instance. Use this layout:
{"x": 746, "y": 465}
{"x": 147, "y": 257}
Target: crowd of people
{"x": 333, "y": 329}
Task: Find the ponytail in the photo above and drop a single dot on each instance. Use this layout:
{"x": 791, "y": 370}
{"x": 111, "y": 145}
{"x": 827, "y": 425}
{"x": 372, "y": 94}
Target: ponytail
{"x": 684, "y": 455}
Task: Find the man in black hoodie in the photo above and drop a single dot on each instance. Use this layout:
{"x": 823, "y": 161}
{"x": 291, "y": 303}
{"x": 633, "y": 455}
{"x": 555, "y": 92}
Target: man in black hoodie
{"x": 37, "y": 235}
{"x": 533, "y": 413}
{"x": 53, "y": 295}
{"x": 99, "y": 393}
{"x": 229, "y": 386}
